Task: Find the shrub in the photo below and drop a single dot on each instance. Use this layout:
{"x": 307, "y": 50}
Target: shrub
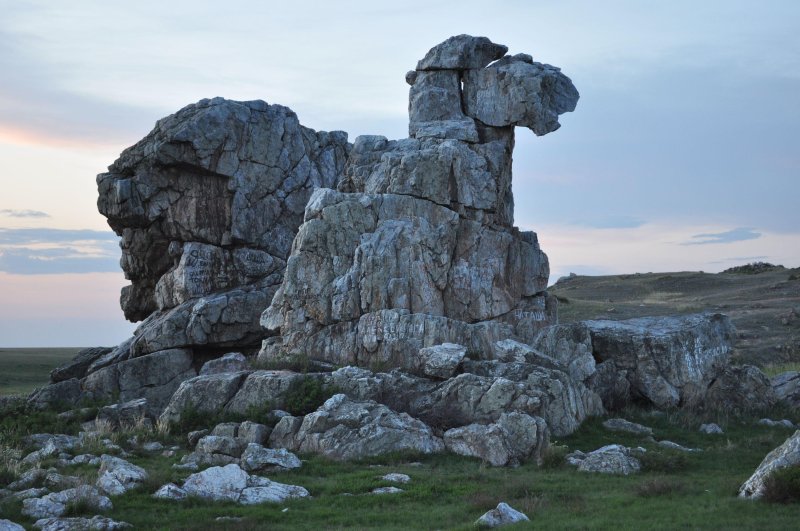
{"x": 663, "y": 461}
{"x": 753, "y": 268}
{"x": 783, "y": 485}
{"x": 555, "y": 457}
{"x": 306, "y": 394}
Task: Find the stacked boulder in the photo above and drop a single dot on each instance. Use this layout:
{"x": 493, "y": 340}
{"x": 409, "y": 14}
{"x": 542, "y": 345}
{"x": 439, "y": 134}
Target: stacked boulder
{"x": 417, "y": 247}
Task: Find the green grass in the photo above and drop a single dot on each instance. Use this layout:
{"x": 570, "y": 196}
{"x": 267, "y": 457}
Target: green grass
{"x": 24, "y": 369}
{"x": 773, "y": 369}
{"x": 674, "y": 490}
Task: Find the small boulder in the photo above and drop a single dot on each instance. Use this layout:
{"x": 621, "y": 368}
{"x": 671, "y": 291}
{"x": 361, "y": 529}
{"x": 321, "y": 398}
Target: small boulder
{"x": 786, "y": 455}
{"x": 255, "y": 457}
{"x": 396, "y": 477}
{"x": 226, "y": 429}
{"x": 611, "y": 459}
{"x": 55, "y": 504}
{"x": 503, "y": 514}
{"x": 8, "y": 525}
{"x": 627, "y": 426}
{"x": 711, "y": 429}
{"x": 217, "y": 483}
{"x": 95, "y": 523}
{"x": 253, "y": 432}
{"x": 117, "y": 476}
{"x": 170, "y": 491}
{"x": 784, "y": 423}
{"x": 387, "y": 490}
{"x": 787, "y": 388}
{"x": 514, "y": 438}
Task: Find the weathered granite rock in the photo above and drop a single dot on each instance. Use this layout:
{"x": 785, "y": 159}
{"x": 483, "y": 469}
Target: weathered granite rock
{"x": 78, "y": 366}
{"x": 462, "y": 52}
{"x": 516, "y": 91}
{"x": 611, "y": 459}
{"x": 56, "y": 482}
{"x": 55, "y": 504}
{"x": 787, "y": 388}
{"x": 226, "y": 429}
{"x": 396, "y": 477}
{"x": 787, "y": 454}
{"x": 439, "y": 361}
{"x": 8, "y": 525}
{"x": 170, "y": 491}
{"x": 663, "y": 355}
{"x": 153, "y": 376}
{"x": 343, "y": 428}
{"x": 255, "y": 458}
{"x": 501, "y": 515}
{"x": 204, "y": 394}
{"x": 230, "y": 362}
{"x": 571, "y": 345}
{"x": 711, "y": 429}
{"x": 29, "y": 479}
{"x": 628, "y": 426}
{"x": 387, "y": 490}
{"x": 218, "y": 450}
{"x": 471, "y": 398}
{"x": 95, "y": 523}
{"x": 253, "y": 432}
{"x": 738, "y": 389}
{"x": 62, "y": 394}
{"x": 117, "y": 476}
{"x": 611, "y": 385}
{"x": 514, "y": 438}
{"x": 679, "y": 447}
{"x": 231, "y": 483}
{"x": 783, "y": 423}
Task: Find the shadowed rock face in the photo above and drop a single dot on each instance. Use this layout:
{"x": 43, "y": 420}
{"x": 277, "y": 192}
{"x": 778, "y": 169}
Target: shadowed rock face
{"x": 417, "y": 247}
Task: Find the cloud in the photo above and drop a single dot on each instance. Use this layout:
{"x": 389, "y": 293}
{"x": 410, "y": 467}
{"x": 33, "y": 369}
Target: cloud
{"x": 23, "y": 213}
{"x": 58, "y": 251}
{"x": 613, "y": 222}
{"x": 740, "y": 259}
{"x": 735, "y": 235}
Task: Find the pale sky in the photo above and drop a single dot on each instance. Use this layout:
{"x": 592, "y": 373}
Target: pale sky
{"x": 683, "y": 152}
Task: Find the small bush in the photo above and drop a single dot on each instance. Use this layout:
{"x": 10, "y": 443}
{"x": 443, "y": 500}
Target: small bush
{"x": 306, "y": 394}
{"x": 79, "y": 507}
{"x": 783, "y": 485}
{"x": 666, "y": 461}
{"x": 555, "y": 457}
{"x": 658, "y": 487}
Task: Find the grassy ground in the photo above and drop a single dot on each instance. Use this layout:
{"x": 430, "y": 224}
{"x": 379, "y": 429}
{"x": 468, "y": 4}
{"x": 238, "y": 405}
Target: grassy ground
{"x": 24, "y": 369}
{"x": 764, "y": 307}
{"x": 675, "y": 490}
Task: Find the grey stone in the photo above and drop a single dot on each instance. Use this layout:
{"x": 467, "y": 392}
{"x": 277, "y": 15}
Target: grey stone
{"x": 230, "y": 362}
{"x": 55, "y": 481}
{"x": 387, "y": 490}
{"x": 95, "y": 523}
{"x": 204, "y": 394}
{"x": 271, "y": 492}
{"x": 193, "y": 436}
{"x": 628, "y": 426}
{"x": 226, "y": 429}
{"x": 675, "y": 446}
{"x": 784, "y": 423}
{"x": 396, "y": 477}
{"x": 462, "y": 52}
{"x": 787, "y": 388}
{"x": 786, "y": 455}
{"x": 253, "y": 432}
{"x": 30, "y": 478}
{"x": 31, "y": 493}
{"x": 63, "y": 393}
{"x": 170, "y": 491}
{"x": 515, "y": 92}
{"x": 611, "y": 459}
{"x": 79, "y": 365}
{"x": 124, "y": 415}
{"x": 571, "y": 345}
{"x": 117, "y": 476}
{"x": 55, "y": 504}
{"x": 663, "y": 356}
{"x": 217, "y": 483}
{"x": 217, "y": 444}
{"x": 255, "y": 458}
{"x": 501, "y": 515}
{"x": 711, "y": 429}
{"x": 737, "y": 390}
{"x": 515, "y": 438}
{"x": 440, "y": 361}
{"x": 8, "y": 525}
{"x": 343, "y": 429}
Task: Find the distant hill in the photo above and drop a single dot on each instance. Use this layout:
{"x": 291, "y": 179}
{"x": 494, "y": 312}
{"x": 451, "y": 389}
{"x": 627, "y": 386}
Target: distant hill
{"x": 763, "y": 302}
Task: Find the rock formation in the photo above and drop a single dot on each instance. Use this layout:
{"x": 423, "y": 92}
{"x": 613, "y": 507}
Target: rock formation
{"x": 417, "y": 246}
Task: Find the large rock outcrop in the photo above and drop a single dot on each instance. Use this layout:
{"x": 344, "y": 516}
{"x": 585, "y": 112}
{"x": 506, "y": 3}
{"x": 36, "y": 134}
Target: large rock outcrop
{"x": 417, "y": 246}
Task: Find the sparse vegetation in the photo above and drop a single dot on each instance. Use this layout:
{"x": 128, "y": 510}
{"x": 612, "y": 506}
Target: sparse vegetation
{"x": 783, "y": 486}
{"x": 306, "y": 395}
{"x": 753, "y": 268}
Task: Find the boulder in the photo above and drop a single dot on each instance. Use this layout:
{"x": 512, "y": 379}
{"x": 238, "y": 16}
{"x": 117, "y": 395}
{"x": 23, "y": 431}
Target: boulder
{"x": 255, "y": 458}
{"x": 263, "y": 490}
{"x": 55, "y": 504}
{"x": 611, "y": 459}
{"x": 253, "y": 432}
{"x": 231, "y": 483}
{"x": 230, "y": 362}
{"x": 462, "y": 52}
{"x": 216, "y": 449}
{"x": 124, "y": 415}
{"x": 343, "y": 429}
{"x": 66, "y": 393}
{"x": 117, "y": 476}
{"x": 515, "y": 438}
{"x": 501, "y": 515}
{"x": 95, "y": 523}
{"x": 396, "y": 477}
{"x": 787, "y": 388}
{"x": 786, "y": 455}
{"x": 226, "y": 429}
{"x": 627, "y": 426}
{"x": 664, "y": 359}
{"x": 440, "y": 361}
{"x": 8, "y": 525}
{"x": 203, "y": 394}
{"x": 170, "y": 491}
{"x": 711, "y": 429}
